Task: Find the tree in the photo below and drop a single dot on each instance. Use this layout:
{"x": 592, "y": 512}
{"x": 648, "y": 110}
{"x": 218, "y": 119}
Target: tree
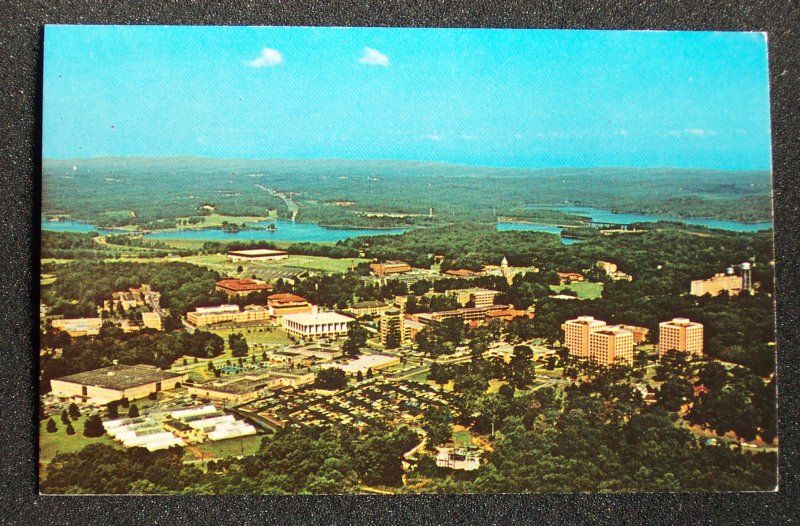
{"x": 133, "y": 411}
{"x": 359, "y": 376}
{"x": 369, "y": 373}
{"x": 332, "y": 378}
{"x": 74, "y": 413}
{"x": 70, "y": 429}
{"x": 113, "y": 409}
{"x": 93, "y": 427}
{"x": 521, "y": 367}
{"x": 520, "y": 329}
{"x": 438, "y": 426}
{"x": 51, "y": 426}
{"x": 238, "y": 345}
{"x": 64, "y": 417}
{"x": 356, "y": 339}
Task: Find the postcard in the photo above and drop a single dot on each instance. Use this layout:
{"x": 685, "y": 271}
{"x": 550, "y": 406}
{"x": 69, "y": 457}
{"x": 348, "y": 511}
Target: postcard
{"x": 312, "y": 260}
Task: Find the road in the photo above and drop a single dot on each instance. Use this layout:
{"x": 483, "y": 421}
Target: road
{"x": 290, "y": 204}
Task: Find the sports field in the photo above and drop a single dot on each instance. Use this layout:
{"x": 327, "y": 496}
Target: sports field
{"x": 584, "y": 290}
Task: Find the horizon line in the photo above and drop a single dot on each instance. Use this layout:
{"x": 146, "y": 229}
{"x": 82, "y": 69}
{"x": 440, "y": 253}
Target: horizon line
{"x": 417, "y": 161}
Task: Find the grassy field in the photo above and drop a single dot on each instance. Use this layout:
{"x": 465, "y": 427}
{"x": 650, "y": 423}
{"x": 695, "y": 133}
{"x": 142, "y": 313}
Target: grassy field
{"x": 256, "y": 335}
{"x": 232, "y": 447}
{"x": 583, "y": 289}
{"x": 51, "y": 444}
{"x": 221, "y": 264}
{"x": 462, "y": 438}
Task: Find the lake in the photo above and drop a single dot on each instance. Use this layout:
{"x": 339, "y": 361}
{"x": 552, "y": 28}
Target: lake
{"x": 606, "y": 216}
{"x": 285, "y": 231}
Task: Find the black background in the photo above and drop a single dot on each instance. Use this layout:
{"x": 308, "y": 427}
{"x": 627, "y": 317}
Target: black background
{"x": 20, "y": 56}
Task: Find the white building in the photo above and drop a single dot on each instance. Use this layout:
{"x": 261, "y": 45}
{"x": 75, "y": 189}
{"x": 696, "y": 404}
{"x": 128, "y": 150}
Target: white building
{"x": 316, "y": 325}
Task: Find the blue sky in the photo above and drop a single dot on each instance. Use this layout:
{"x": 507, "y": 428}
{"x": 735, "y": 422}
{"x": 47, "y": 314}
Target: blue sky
{"x": 482, "y": 97}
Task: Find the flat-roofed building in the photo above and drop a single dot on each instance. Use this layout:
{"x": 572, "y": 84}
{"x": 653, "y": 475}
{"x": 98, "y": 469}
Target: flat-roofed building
{"x": 391, "y": 329}
{"x": 611, "y": 345}
{"x": 576, "y": 334}
{"x": 205, "y": 316}
{"x": 281, "y": 304}
{"x": 365, "y": 362}
{"x": 680, "y": 334}
{"x": 101, "y": 386}
{"x": 152, "y": 320}
{"x": 249, "y": 385}
{"x": 257, "y": 254}
{"x": 389, "y": 267}
{"x": 464, "y": 459}
{"x": 479, "y": 297}
{"x": 368, "y": 308}
{"x": 509, "y": 314}
{"x": 287, "y": 357}
{"x": 78, "y": 326}
{"x": 241, "y": 287}
{"x": 640, "y": 334}
{"x": 316, "y": 325}
{"x": 716, "y": 284}
{"x": 411, "y": 328}
{"x": 467, "y": 314}
{"x": 571, "y": 277}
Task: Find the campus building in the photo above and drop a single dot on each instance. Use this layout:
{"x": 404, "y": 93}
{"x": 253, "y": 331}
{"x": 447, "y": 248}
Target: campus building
{"x": 464, "y": 459}
{"x": 612, "y": 271}
{"x": 716, "y": 284}
{"x": 611, "y": 345}
{"x": 479, "y": 297}
{"x": 282, "y": 304}
{"x": 569, "y": 277}
{"x": 240, "y": 287}
{"x": 257, "y": 254}
{"x": 152, "y": 320}
{"x": 364, "y": 363}
{"x": 640, "y": 334}
{"x": 576, "y": 334}
{"x": 205, "y": 316}
{"x": 467, "y": 314}
{"x": 391, "y": 328}
{"x": 78, "y": 326}
{"x": 316, "y": 325}
{"x": 389, "y": 267}
{"x": 101, "y": 386}
{"x": 682, "y": 335}
{"x": 243, "y": 387}
{"x": 368, "y": 308}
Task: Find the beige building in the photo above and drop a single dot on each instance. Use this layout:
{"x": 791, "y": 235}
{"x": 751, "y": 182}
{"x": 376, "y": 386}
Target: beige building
{"x": 79, "y": 326}
{"x": 682, "y": 335}
{"x": 610, "y": 269}
{"x": 611, "y": 345}
{"x": 576, "y": 334}
{"x": 316, "y": 325}
{"x": 640, "y": 334}
{"x": 251, "y": 385}
{"x": 281, "y": 304}
{"x": 204, "y": 316}
{"x": 152, "y": 320}
{"x": 368, "y": 308}
{"x": 716, "y": 284}
{"x": 101, "y": 386}
{"x": 389, "y": 267}
{"x": 479, "y": 297}
{"x": 257, "y": 254}
{"x": 391, "y": 324}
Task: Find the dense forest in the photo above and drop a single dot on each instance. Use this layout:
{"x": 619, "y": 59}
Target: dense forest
{"x": 116, "y": 191}
{"x": 82, "y": 286}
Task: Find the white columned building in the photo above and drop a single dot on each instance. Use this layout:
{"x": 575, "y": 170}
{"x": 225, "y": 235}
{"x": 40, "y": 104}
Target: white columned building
{"x": 316, "y": 325}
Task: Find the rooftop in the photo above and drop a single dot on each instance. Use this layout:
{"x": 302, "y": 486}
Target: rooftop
{"x": 368, "y": 304}
{"x": 120, "y": 377}
{"x": 320, "y": 317}
{"x": 242, "y": 284}
{"x": 285, "y": 297}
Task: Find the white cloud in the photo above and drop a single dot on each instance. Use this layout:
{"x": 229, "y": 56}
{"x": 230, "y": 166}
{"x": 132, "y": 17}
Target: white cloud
{"x": 373, "y": 57}
{"x": 268, "y": 58}
{"x": 433, "y": 137}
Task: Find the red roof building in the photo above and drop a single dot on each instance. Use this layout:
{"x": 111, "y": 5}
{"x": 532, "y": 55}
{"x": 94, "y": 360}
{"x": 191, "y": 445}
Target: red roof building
{"x": 241, "y": 287}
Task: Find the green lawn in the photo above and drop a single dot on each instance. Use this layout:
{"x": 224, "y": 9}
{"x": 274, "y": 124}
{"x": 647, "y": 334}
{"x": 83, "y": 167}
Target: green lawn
{"x": 266, "y": 335}
{"x": 462, "y": 438}
{"x": 220, "y": 263}
{"x": 585, "y": 290}
{"x": 60, "y": 442}
{"x": 232, "y": 447}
